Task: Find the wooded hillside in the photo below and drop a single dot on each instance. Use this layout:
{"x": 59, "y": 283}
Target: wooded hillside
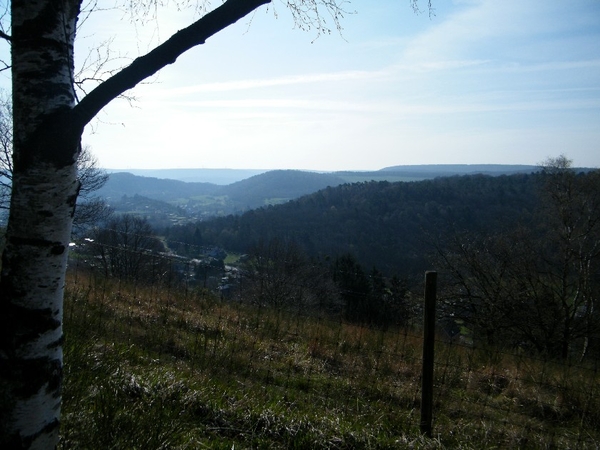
{"x": 393, "y": 226}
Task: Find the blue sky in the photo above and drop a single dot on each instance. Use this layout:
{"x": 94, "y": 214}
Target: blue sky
{"x": 481, "y": 81}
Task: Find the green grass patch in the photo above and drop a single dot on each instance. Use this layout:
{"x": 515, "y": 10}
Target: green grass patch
{"x": 209, "y": 200}
{"x": 232, "y": 258}
{"x": 276, "y": 200}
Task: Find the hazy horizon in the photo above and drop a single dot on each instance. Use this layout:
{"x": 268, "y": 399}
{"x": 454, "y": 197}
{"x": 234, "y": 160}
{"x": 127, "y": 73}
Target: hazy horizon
{"x": 114, "y": 169}
{"x": 228, "y": 176}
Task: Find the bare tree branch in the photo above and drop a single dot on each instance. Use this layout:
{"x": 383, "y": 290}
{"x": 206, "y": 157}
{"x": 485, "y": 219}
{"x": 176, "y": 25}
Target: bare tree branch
{"x": 307, "y": 14}
{"x": 6, "y": 137}
{"x": 167, "y": 53}
{"x": 91, "y": 177}
{"x": 96, "y": 66}
{"x": 415, "y": 6}
{"x": 5, "y": 17}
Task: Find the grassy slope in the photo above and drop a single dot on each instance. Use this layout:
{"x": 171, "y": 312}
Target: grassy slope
{"x": 157, "y": 368}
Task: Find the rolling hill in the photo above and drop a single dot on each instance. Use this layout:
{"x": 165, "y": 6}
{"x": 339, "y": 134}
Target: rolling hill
{"x": 202, "y": 200}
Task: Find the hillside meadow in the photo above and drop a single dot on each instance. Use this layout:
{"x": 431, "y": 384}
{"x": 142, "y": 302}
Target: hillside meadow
{"x": 159, "y": 366}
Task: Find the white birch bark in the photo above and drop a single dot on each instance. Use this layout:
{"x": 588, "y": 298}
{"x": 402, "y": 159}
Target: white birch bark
{"x": 44, "y": 190}
{"x": 36, "y": 256}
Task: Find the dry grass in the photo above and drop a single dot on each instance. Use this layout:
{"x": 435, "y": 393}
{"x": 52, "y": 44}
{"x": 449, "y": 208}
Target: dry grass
{"x": 150, "y": 367}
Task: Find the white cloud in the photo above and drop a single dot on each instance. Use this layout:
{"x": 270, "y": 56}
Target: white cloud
{"x": 494, "y": 28}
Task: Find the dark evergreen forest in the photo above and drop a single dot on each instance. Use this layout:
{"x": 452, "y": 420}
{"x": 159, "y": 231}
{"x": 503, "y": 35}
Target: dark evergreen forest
{"x": 395, "y": 227}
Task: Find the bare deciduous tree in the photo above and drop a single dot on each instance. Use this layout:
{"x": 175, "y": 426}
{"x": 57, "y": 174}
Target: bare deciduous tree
{"x": 5, "y": 151}
{"x": 535, "y": 286}
{"x": 128, "y": 249}
{"x": 278, "y": 273}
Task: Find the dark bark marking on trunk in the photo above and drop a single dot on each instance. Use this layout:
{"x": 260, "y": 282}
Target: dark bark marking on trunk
{"x": 57, "y": 250}
{"x": 18, "y": 442}
{"x": 56, "y": 141}
{"x": 72, "y": 200}
{"x": 49, "y": 428}
{"x": 45, "y": 22}
{"x": 29, "y": 376}
{"x": 23, "y": 325}
{"x": 57, "y": 343}
{"x": 16, "y": 240}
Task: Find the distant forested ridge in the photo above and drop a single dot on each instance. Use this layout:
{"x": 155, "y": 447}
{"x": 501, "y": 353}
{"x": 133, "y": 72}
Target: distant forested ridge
{"x": 393, "y": 226}
{"x": 213, "y": 176}
{"x": 124, "y": 183}
{"x": 444, "y": 170}
{"x": 277, "y": 186}
{"x": 128, "y": 192}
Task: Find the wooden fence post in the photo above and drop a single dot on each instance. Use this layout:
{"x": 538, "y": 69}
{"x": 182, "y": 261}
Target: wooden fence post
{"x": 428, "y": 353}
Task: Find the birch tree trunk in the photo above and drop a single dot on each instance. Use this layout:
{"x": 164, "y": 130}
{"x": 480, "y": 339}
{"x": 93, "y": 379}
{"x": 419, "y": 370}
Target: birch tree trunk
{"x": 46, "y": 144}
{"x": 47, "y": 130}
